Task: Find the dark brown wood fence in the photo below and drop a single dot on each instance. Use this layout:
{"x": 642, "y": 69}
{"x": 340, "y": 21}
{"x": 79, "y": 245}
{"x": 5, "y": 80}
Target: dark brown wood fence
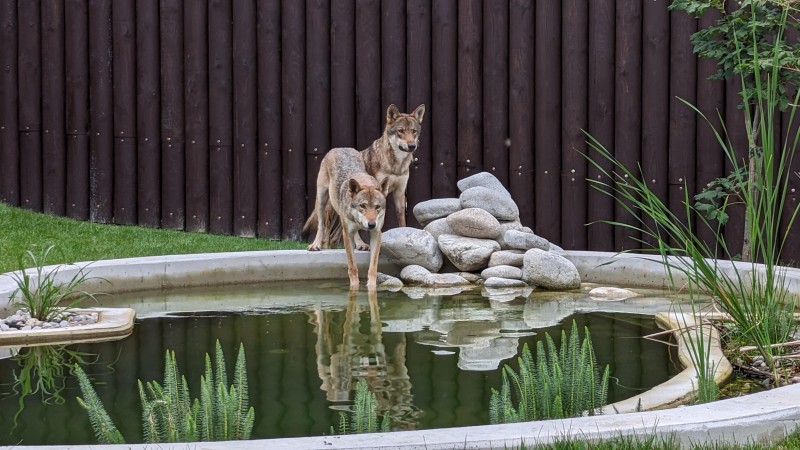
{"x": 213, "y": 115}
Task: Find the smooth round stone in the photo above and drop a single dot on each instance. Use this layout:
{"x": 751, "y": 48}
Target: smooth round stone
{"x": 550, "y": 271}
{"x": 525, "y": 241}
{"x": 498, "y": 282}
{"x": 439, "y": 227}
{"x": 484, "y": 179}
{"x": 507, "y": 258}
{"x": 437, "y": 208}
{"x": 514, "y": 273}
{"x": 467, "y": 254}
{"x": 499, "y": 205}
{"x": 475, "y": 223}
{"x": 389, "y": 282}
{"x": 611, "y": 293}
{"x": 406, "y": 245}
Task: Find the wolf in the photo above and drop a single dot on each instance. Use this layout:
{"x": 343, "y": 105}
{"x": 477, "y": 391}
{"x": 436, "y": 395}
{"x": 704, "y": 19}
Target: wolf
{"x": 358, "y": 199}
{"x": 388, "y": 157}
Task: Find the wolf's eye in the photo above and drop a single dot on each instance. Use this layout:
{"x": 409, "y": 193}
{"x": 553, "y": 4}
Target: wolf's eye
{"x": 363, "y": 206}
{"x": 401, "y": 130}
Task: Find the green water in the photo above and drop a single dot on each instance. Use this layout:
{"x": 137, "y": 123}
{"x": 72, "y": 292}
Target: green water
{"x": 431, "y": 361}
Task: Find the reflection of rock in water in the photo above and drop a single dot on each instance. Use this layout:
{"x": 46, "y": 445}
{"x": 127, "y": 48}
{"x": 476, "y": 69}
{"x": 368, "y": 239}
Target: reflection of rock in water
{"x": 549, "y": 309}
{"x": 348, "y": 350}
{"x": 487, "y": 357}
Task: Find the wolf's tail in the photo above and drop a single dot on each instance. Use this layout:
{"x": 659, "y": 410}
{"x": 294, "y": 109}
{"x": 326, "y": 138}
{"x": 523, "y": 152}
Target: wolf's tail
{"x": 331, "y": 219}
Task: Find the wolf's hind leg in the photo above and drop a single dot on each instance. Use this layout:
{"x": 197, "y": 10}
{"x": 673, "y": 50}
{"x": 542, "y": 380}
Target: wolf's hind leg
{"x": 322, "y": 201}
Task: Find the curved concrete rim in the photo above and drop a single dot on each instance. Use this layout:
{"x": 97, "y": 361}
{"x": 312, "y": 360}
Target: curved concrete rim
{"x": 760, "y": 417}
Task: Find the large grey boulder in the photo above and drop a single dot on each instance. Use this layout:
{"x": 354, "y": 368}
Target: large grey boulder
{"x": 507, "y": 258}
{"x": 437, "y": 208}
{"x": 475, "y": 223}
{"x": 498, "y": 204}
{"x": 525, "y": 241}
{"x": 439, "y": 227}
{"x": 549, "y": 270}
{"x": 467, "y": 254}
{"x": 406, "y": 245}
{"x": 484, "y": 179}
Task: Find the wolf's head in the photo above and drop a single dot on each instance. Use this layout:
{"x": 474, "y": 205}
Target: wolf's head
{"x": 403, "y": 129}
{"x": 368, "y": 202}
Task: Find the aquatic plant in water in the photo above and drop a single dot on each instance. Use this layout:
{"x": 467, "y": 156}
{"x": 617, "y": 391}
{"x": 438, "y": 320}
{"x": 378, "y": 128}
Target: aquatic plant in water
{"x": 559, "y": 383}
{"x": 168, "y": 413}
{"x": 364, "y": 416}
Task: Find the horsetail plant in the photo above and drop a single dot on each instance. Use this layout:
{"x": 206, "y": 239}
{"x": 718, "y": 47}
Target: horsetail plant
{"x": 364, "y": 416}
{"x": 559, "y": 383}
{"x": 170, "y": 415}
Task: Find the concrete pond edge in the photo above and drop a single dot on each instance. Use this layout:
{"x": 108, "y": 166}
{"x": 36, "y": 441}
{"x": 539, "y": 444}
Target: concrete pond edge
{"x": 756, "y": 417}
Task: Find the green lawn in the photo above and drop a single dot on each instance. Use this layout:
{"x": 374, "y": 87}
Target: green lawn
{"x": 22, "y": 230}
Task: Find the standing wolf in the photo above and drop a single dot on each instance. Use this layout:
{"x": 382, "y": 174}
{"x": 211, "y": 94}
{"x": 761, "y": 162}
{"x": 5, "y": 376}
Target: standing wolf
{"x": 388, "y": 157}
{"x": 391, "y": 154}
{"x": 360, "y": 202}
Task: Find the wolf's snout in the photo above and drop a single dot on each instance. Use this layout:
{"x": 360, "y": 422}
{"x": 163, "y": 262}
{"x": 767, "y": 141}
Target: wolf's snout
{"x": 371, "y": 224}
{"x": 412, "y": 147}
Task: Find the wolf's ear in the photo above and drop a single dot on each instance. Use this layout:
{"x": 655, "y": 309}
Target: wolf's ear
{"x": 392, "y": 113}
{"x": 384, "y": 186}
{"x": 354, "y": 186}
{"x": 419, "y": 112}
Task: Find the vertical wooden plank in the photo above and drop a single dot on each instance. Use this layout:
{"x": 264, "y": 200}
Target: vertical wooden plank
{"x": 495, "y": 89}
{"x": 393, "y": 60}
{"x": 470, "y": 117}
{"x": 521, "y": 105}
{"x": 790, "y": 127}
{"x": 574, "y": 95}
{"x": 269, "y": 118}
{"x": 173, "y": 192}
{"x": 30, "y": 105}
{"x": 393, "y": 54}
{"x": 418, "y": 64}
{"x": 54, "y": 149}
{"x": 655, "y": 96}
{"x": 124, "y": 110}
{"x": 245, "y": 176}
{"x": 443, "y": 112}
{"x": 343, "y": 73}
{"x": 220, "y": 113}
{"x": 547, "y": 121}
{"x": 711, "y": 102}
{"x": 318, "y": 91}
{"x": 734, "y": 123}
{"x": 293, "y": 65}
{"x": 148, "y": 114}
{"x": 601, "y": 115}
{"x": 101, "y": 106}
{"x": 627, "y": 107}
{"x": 9, "y": 121}
{"x": 196, "y": 68}
{"x": 369, "y": 111}
{"x": 682, "y": 124}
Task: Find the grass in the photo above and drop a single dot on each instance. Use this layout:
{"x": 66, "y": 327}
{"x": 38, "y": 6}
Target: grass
{"x": 24, "y": 231}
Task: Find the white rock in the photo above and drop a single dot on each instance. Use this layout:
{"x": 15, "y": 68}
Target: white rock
{"x": 499, "y": 205}
{"x": 406, "y": 245}
{"x": 514, "y": 273}
{"x": 437, "y": 208}
{"x": 525, "y": 241}
{"x": 507, "y": 258}
{"x": 484, "y": 179}
{"x": 474, "y": 223}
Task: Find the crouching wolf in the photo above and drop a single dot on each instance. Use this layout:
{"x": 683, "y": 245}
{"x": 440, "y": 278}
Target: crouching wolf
{"x": 360, "y": 202}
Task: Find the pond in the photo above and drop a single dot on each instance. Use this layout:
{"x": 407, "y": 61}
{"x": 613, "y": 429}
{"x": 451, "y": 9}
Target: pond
{"x": 432, "y": 360}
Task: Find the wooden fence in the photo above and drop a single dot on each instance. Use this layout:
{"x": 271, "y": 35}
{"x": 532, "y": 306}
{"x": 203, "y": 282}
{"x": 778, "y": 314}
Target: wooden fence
{"x": 213, "y": 115}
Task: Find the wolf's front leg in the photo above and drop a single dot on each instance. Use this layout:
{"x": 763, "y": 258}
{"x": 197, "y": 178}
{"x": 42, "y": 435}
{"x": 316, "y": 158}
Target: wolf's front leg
{"x": 352, "y": 269}
{"x": 400, "y": 206}
{"x": 375, "y": 253}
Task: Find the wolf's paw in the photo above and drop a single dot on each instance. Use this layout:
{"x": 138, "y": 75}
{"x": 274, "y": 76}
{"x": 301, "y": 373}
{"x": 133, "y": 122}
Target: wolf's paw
{"x": 313, "y": 248}
{"x": 364, "y": 247}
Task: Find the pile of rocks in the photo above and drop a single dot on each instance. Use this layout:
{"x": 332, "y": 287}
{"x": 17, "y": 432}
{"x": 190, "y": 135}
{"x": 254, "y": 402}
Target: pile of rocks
{"x": 476, "y": 238}
{"x": 22, "y": 321}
